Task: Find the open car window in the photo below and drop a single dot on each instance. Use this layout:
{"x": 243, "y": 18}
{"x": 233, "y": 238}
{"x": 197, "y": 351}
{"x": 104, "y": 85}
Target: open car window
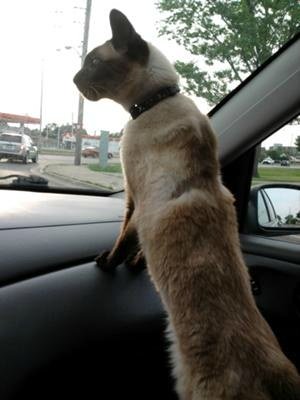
{"x": 274, "y": 204}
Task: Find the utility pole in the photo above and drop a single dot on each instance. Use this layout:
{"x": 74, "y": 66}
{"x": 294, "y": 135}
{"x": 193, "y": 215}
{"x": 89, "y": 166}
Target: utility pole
{"x": 77, "y": 160}
{"x": 39, "y": 144}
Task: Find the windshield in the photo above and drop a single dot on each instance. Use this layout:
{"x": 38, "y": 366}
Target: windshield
{"x": 10, "y": 138}
{"x": 213, "y": 45}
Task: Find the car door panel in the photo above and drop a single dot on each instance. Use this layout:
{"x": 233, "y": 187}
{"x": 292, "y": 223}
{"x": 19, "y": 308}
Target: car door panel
{"x": 275, "y": 249}
{"x": 275, "y": 277}
{"x": 76, "y": 327}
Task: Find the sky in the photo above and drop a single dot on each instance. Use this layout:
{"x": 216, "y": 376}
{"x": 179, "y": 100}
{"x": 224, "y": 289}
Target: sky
{"x": 33, "y": 37}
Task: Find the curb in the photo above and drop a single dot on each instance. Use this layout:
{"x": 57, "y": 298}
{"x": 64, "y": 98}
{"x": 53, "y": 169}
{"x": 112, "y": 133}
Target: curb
{"x": 69, "y": 179}
{"x": 46, "y": 171}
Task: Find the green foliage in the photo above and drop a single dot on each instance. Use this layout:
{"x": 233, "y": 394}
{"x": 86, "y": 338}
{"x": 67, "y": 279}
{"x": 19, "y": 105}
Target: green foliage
{"x": 51, "y": 130}
{"x": 233, "y": 37}
{"x": 291, "y": 220}
{"x": 262, "y": 154}
{"x": 274, "y": 154}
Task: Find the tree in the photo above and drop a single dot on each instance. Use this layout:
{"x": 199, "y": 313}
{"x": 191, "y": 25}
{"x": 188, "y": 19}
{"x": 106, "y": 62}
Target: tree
{"x": 290, "y": 220}
{"x": 274, "y": 154}
{"x": 52, "y": 129}
{"x": 262, "y": 154}
{"x": 233, "y": 36}
{"x": 297, "y": 143}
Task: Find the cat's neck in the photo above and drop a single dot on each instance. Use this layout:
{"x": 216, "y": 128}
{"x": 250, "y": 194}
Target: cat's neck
{"x": 144, "y": 82}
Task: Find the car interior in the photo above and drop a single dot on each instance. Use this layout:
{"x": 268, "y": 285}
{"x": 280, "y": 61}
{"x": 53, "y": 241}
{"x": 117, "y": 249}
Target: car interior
{"x": 70, "y": 330}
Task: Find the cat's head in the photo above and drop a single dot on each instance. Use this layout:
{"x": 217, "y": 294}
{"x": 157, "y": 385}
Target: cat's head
{"x": 124, "y": 68}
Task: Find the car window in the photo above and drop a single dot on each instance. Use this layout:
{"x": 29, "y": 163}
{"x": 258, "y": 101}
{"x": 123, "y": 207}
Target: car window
{"x": 213, "y": 45}
{"x": 278, "y": 157}
{"x": 276, "y": 180}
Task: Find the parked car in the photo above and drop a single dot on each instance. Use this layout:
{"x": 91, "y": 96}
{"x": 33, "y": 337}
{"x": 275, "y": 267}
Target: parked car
{"x": 268, "y": 161}
{"x": 17, "y": 146}
{"x": 285, "y": 163}
{"x": 93, "y": 152}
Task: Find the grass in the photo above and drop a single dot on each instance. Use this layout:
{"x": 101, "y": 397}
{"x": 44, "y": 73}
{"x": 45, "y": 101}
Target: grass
{"x": 278, "y": 174}
{"x": 266, "y": 174}
{"x": 113, "y": 168}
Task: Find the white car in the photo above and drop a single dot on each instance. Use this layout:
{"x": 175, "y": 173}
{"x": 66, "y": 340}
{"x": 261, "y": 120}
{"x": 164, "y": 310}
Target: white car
{"x": 14, "y": 145}
{"x": 268, "y": 161}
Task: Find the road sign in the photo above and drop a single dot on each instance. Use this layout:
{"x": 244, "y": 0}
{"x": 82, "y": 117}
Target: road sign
{"x": 103, "y": 148}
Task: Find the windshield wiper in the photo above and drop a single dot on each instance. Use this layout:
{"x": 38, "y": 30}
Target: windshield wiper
{"x": 40, "y": 184}
{"x": 26, "y": 181}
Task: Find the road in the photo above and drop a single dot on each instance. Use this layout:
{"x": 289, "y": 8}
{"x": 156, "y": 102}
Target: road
{"x": 277, "y": 165}
{"x": 9, "y": 168}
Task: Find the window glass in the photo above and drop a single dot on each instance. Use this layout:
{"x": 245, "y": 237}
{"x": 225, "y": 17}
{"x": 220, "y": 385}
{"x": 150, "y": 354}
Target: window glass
{"x": 213, "y": 45}
{"x": 276, "y": 179}
{"x": 10, "y": 138}
{"x": 278, "y": 157}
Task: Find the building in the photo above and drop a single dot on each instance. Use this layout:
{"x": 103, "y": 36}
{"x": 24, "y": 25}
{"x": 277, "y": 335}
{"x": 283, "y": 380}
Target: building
{"x": 69, "y": 140}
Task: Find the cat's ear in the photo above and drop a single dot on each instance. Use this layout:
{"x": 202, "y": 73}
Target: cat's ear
{"x": 125, "y": 39}
{"x": 122, "y": 30}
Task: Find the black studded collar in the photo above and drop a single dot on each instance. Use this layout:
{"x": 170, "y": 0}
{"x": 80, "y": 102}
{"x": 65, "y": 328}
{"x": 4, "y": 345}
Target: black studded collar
{"x": 167, "y": 91}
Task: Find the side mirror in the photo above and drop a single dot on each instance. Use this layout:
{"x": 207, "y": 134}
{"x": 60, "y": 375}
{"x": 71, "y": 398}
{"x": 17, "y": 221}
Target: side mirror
{"x": 274, "y": 209}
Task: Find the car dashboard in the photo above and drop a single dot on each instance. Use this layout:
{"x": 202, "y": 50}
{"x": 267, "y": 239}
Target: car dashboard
{"x": 65, "y": 325}
{"x": 43, "y": 231}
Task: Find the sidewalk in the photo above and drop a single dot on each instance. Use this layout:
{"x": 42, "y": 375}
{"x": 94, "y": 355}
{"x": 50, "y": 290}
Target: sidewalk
{"x": 81, "y": 174}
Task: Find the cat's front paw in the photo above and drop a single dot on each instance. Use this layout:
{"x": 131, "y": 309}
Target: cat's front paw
{"x": 104, "y": 262}
{"x": 137, "y": 262}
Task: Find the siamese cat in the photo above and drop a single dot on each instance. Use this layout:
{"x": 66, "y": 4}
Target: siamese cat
{"x": 182, "y": 219}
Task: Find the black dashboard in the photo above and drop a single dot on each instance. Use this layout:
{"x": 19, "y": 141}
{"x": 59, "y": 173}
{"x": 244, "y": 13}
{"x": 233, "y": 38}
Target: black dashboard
{"x": 43, "y": 231}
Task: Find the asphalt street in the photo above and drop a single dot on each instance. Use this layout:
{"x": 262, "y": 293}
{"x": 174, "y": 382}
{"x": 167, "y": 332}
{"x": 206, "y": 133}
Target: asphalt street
{"x": 17, "y": 167}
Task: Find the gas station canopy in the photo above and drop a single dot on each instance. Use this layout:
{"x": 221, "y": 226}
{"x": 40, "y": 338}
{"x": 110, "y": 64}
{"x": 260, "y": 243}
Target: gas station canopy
{"x": 18, "y": 119}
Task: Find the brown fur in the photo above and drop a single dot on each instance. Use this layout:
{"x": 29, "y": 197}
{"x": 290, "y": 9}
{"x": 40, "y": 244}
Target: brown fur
{"x": 184, "y": 220}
